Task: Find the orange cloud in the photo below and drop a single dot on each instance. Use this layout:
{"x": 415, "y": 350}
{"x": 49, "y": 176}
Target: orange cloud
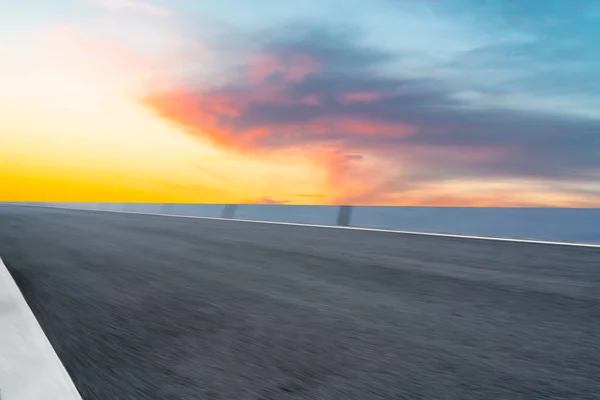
{"x": 345, "y": 175}
{"x": 266, "y": 200}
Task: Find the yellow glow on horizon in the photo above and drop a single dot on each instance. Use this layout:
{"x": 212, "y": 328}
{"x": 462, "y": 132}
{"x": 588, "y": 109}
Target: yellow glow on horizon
{"x": 69, "y": 132}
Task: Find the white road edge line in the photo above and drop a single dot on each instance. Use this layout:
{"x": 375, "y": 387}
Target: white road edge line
{"x": 30, "y": 369}
{"x": 355, "y": 228}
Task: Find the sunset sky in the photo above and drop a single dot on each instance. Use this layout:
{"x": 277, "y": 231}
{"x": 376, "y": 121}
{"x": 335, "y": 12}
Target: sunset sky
{"x": 388, "y": 102}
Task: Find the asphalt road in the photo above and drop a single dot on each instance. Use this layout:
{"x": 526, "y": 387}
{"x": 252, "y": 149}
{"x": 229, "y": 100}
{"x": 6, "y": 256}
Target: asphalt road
{"x": 150, "y": 307}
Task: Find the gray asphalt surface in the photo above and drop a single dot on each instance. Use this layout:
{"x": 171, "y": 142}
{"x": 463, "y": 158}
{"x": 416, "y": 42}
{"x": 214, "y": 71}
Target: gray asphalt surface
{"x": 150, "y": 307}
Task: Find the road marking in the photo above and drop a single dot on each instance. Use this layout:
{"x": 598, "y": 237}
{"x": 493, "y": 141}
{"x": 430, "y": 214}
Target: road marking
{"x": 355, "y": 228}
{"x": 29, "y": 367}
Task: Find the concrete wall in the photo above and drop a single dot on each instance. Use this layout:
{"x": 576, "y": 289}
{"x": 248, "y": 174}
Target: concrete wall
{"x": 316, "y": 215}
{"x": 549, "y": 224}
{"x": 148, "y": 208}
{"x": 552, "y": 224}
{"x": 199, "y": 210}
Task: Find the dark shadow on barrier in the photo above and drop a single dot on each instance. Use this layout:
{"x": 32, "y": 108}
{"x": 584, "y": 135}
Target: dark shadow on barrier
{"x": 344, "y": 216}
{"x": 229, "y": 211}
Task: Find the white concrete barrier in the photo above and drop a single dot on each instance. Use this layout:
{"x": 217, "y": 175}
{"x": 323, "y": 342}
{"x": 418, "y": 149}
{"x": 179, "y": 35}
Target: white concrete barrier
{"x": 114, "y": 207}
{"x": 542, "y": 224}
{"x": 315, "y": 215}
{"x": 199, "y": 210}
{"x": 552, "y": 224}
{"x": 130, "y": 207}
{"x": 86, "y": 206}
{"x": 149, "y": 208}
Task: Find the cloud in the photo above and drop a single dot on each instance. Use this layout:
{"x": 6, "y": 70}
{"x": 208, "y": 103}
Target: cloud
{"x": 314, "y": 196}
{"x": 266, "y": 200}
{"x": 136, "y": 6}
{"x": 328, "y": 92}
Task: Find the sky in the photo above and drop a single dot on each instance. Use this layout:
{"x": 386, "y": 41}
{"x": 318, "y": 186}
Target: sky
{"x": 492, "y": 103}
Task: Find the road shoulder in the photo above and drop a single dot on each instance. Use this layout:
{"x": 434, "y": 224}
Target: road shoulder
{"x": 29, "y": 366}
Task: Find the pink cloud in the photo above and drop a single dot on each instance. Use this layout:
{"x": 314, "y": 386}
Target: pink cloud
{"x": 320, "y": 101}
{"x": 292, "y": 67}
{"x": 361, "y": 97}
{"x": 310, "y": 100}
{"x": 266, "y": 200}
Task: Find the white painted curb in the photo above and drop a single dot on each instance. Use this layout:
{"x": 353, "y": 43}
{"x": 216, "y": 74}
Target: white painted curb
{"x": 29, "y": 367}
